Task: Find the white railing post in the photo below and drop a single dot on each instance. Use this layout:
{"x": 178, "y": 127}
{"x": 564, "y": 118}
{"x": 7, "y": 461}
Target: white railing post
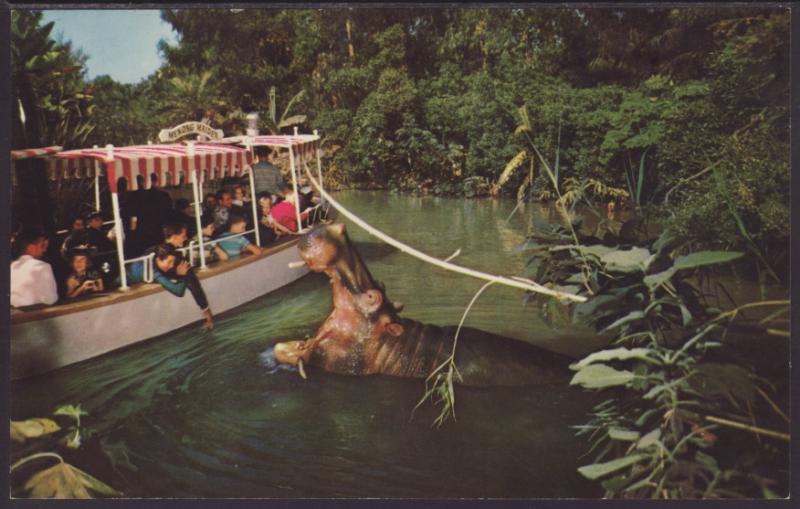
{"x": 254, "y": 204}
{"x": 191, "y": 252}
{"x": 319, "y": 160}
{"x": 96, "y": 183}
{"x": 118, "y": 238}
{"x": 123, "y": 277}
{"x": 294, "y": 186}
{"x": 147, "y": 272}
{"x": 197, "y": 216}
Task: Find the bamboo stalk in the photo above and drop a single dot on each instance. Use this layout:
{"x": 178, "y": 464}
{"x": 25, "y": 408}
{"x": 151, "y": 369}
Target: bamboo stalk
{"x": 754, "y": 429}
{"x": 773, "y": 405}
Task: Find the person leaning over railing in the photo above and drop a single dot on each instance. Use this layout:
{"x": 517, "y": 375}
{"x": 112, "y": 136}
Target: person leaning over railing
{"x": 165, "y": 259}
{"x": 176, "y": 235}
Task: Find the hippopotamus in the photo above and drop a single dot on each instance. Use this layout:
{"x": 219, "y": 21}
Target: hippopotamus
{"x": 364, "y": 334}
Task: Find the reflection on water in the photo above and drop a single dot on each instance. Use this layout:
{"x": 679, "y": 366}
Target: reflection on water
{"x": 198, "y": 414}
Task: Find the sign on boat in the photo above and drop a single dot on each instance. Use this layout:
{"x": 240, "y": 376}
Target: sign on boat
{"x": 189, "y": 128}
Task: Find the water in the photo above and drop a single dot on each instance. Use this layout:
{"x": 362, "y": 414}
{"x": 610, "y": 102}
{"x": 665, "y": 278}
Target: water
{"x": 197, "y": 414}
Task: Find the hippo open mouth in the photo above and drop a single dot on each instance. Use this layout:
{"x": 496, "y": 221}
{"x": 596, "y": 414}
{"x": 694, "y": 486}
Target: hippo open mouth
{"x": 364, "y": 334}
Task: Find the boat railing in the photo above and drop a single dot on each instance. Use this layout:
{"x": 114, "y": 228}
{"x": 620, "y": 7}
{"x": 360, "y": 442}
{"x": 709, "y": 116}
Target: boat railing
{"x": 214, "y": 242}
{"x": 188, "y": 251}
{"x": 317, "y": 212}
{"x": 192, "y": 251}
{"x": 147, "y": 260}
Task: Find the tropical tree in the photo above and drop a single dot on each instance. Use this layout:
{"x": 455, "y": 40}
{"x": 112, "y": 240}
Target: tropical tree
{"x": 52, "y": 103}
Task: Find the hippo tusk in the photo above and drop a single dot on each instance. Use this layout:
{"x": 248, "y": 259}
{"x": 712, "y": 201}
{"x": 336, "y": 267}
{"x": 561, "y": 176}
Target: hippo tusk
{"x": 296, "y": 265}
{"x": 300, "y": 369}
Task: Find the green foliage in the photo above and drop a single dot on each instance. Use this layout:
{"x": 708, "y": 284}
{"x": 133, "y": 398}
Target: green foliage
{"x": 49, "y": 90}
{"x": 653, "y": 439}
{"x": 62, "y": 480}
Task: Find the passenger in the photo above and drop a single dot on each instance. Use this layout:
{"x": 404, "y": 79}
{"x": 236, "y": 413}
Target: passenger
{"x": 266, "y": 175}
{"x": 32, "y": 280}
{"x": 222, "y": 211}
{"x": 183, "y": 213}
{"x": 266, "y": 224}
{"x": 133, "y": 205}
{"x": 76, "y": 236}
{"x": 306, "y": 194}
{"x": 236, "y": 245}
{"x": 176, "y": 235}
{"x": 102, "y": 241}
{"x": 240, "y": 199}
{"x": 154, "y": 212}
{"x": 213, "y": 252}
{"x": 209, "y": 204}
{"x": 83, "y": 279}
{"x": 284, "y": 215}
{"x": 164, "y": 261}
{"x": 104, "y": 246}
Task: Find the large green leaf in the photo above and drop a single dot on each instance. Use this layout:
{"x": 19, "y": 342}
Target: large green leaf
{"x": 621, "y": 353}
{"x": 705, "y": 258}
{"x": 636, "y": 259}
{"x": 597, "y": 250}
{"x": 655, "y": 280}
{"x": 623, "y": 434}
{"x": 630, "y": 317}
{"x": 74, "y": 411}
{"x": 600, "y": 376}
{"x": 649, "y": 439}
{"x": 598, "y": 470}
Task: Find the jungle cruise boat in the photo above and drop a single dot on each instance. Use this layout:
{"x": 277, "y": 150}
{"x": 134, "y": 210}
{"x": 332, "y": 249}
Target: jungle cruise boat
{"x": 47, "y": 338}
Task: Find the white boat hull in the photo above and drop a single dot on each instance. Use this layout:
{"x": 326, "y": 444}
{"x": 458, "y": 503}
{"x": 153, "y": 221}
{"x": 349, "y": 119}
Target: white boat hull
{"x": 50, "y": 342}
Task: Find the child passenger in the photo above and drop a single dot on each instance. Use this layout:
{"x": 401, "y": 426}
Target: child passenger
{"x": 83, "y": 279}
{"x": 236, "y": 245}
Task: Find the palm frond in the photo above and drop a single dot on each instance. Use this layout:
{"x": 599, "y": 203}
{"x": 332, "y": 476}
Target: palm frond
{"x": 511, "y": 166}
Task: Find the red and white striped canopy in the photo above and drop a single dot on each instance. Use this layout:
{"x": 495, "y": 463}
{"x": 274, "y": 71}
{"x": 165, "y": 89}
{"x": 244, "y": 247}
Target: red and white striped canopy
{"x": 170, "y": 163}
{"x": 27, "y": 153}
{"x": 304, "y": 146}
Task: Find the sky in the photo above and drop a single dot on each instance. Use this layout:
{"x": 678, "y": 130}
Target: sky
{"x": 120, "y": 43}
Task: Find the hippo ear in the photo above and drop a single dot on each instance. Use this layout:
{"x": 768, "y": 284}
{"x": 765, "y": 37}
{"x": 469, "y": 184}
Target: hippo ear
{"x": 395, "y": 329}
{"x": 338, "y": 228}
{"x": 373, "y": 299}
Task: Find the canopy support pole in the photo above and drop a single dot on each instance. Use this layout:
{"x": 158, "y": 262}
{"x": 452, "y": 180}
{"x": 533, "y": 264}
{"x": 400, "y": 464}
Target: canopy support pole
{"x": 96, "y": 184}
{"x": 123, "y": 277}
{"x": 254, "y": 204}
{"x": 294, "y": 185}
{"x": 251, "y": 179}
{"x": 319, "y": 161}
{"x": 198, "y": 212}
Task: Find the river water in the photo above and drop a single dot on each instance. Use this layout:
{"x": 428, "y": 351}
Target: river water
{"x": 196, "y": 414}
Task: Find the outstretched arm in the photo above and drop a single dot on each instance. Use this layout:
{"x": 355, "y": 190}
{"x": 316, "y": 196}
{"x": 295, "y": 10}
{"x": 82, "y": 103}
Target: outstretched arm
{"x": 175, "y": 288}
{"x": 253, "y": 248}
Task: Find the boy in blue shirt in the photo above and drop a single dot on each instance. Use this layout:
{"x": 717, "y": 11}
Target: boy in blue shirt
{"x": 236, "y": 245}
